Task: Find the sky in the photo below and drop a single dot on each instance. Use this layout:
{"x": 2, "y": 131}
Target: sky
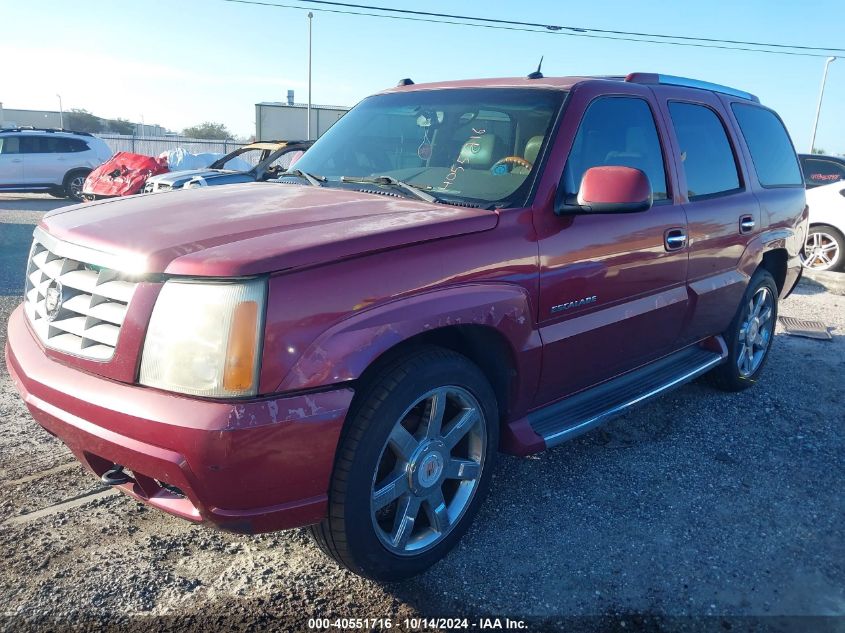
{"x": 181, "y": 62}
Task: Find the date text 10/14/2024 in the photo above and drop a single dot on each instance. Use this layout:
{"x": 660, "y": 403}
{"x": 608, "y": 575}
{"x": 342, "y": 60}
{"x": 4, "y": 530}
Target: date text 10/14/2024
{"x": 416, "y": 624}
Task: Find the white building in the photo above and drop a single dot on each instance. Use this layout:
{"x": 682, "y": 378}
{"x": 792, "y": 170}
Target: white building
{"x": 276, "y": 120}
{"x": 34, "y": 118}
{"x": 16, "y": 117}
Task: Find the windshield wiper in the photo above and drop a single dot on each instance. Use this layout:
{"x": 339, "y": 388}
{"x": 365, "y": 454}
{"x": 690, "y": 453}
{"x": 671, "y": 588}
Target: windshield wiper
{"x": 414, "y": 190}
{"x": 313, "y": 179}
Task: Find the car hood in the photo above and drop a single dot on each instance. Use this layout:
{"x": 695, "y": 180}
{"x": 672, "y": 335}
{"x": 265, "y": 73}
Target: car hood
{"x": 177, "y": 179}
{"x": 255, "y": 228}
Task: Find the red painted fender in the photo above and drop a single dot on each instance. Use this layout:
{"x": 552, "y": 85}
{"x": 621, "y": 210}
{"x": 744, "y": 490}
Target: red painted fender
{"x": 346, "y": 349}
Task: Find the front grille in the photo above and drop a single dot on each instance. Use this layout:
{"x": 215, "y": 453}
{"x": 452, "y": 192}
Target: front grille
{"x": 75, "y": 307}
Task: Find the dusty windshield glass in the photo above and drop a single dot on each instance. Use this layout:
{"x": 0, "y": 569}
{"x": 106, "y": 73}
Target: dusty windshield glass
{"x": 478, "y": 144}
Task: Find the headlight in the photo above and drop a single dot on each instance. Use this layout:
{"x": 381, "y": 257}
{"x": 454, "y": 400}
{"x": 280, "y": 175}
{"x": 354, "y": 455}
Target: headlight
{"x": 204, "y": 338}
{"x": 196, "y": 181}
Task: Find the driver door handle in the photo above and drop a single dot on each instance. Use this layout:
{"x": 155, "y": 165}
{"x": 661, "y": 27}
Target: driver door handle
{"x": 746, "y": 223}
{"x": 675, "y": 239}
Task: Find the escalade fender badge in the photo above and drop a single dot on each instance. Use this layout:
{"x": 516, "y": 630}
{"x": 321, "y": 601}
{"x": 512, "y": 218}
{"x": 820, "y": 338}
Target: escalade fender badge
{"x": 577, "y": 303}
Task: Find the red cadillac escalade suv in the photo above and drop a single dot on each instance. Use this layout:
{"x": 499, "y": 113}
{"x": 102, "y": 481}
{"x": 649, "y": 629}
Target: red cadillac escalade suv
{"x": 452, "y": 270}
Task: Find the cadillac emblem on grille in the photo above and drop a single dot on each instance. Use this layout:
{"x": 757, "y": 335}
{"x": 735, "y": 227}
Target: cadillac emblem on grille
{"x": 53, "y": 299}
{"x": 76, "y": 306}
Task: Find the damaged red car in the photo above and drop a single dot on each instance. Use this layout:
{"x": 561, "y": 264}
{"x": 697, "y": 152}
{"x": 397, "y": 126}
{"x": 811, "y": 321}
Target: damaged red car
{"x": 123, "y": 174}
{"x": 453, "y": 270}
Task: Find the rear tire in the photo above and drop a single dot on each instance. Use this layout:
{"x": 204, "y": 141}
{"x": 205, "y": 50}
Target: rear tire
{"x": 406, "y": 487}
{"x": 72, "y": 186}
{"x": 749, "y": 336}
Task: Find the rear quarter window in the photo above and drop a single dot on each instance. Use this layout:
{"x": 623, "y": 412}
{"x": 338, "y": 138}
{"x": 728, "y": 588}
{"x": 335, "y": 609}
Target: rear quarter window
{"x": 771, "y": 149}
{"x": 71, "y": 145}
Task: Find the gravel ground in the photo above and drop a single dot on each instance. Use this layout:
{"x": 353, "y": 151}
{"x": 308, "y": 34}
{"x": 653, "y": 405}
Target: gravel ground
{"x": 703, "y": 510}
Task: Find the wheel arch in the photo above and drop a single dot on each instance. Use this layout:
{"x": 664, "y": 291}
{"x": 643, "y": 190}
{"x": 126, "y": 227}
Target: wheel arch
{"x": 776, "y": 251}
{"x": 776, "y": 262}
{"x": 74, "y": 171}
{"x": 483, "y": 345}
{"x": 491, "y": 324}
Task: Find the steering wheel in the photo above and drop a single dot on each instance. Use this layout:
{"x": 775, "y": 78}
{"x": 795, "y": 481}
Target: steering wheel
{"x": 501, "y": 166}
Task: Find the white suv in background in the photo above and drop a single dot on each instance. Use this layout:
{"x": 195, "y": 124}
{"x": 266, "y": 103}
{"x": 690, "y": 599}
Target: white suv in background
{"x": 52, "y": 161}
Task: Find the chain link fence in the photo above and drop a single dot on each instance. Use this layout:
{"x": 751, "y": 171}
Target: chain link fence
{"x": 155, "y": 145}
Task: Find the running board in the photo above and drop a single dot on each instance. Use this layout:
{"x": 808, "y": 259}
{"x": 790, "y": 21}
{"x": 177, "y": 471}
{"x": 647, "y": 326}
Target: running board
{"x": 572, "y": 416}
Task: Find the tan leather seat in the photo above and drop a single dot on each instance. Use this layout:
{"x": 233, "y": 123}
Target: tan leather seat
{"x": 478, "y": 152}
{"x": 532, "y": 149}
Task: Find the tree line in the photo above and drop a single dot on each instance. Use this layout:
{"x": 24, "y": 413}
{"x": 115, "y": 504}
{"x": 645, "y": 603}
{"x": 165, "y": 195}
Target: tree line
{"x": 80, "y": 120}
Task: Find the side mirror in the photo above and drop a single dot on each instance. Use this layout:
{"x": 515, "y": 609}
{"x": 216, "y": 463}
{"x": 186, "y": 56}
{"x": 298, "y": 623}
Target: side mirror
{"x": 611, "y": 189}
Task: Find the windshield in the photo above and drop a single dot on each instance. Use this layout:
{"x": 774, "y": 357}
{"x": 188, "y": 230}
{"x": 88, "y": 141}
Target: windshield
{"x": 479, "y": 144}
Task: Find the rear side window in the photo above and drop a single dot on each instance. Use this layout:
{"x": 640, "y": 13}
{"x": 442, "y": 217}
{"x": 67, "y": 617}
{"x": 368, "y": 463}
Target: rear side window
{"x": 771, "y": 150}
{"x": 822, "y": 172}
{"x": 706, "y": 153}
{"x": 31, "y": 145}
{"x": 617, "y": 131}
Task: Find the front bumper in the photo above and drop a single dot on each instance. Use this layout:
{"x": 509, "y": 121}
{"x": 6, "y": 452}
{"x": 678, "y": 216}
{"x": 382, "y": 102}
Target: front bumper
{"x": 245, "y": 466}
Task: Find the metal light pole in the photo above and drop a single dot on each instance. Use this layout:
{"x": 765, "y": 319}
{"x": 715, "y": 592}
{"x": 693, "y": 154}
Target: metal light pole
{"x": 61, "y": 113}
{"x": 819, "y": 106}
{"x": 310, "y": 17}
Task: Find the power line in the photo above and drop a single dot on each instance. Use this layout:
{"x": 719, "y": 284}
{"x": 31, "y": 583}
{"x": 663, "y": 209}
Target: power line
{"x": 547, "y": 30}
{"x": 579, "y": 29}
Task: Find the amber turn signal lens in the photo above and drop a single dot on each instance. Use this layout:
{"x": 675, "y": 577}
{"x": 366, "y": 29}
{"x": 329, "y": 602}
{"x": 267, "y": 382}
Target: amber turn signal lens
{"x": 238, "y": 373}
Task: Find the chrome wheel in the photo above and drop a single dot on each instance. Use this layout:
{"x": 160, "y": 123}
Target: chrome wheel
{"x": 755, "y": 333}
{"x": 821, "y": 251}
{"x": 429, "y": 470}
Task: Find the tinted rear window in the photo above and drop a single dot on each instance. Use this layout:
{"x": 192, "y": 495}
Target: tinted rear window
{"x": 706, "y": 153}
{"x": 771, "y": 150}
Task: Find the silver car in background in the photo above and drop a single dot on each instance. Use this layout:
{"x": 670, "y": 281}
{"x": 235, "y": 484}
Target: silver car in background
{"x": 46, "y": 160}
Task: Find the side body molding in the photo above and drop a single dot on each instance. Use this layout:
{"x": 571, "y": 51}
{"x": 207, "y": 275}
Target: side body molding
{"x": 346, "y": 349}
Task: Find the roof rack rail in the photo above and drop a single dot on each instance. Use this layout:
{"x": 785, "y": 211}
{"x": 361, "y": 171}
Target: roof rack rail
{"x": 29, "y": 128}
{"x": 671, "y": 80}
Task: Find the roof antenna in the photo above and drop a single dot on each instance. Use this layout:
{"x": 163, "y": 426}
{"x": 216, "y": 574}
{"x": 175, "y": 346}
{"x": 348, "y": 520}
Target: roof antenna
{"x": 537, "y": 74}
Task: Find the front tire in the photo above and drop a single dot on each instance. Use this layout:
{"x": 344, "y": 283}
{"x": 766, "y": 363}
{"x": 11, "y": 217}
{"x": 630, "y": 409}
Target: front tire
{"x": 824, "y": 249}
{"x": 749, "y": 336}
{"x": 413, "y": 465}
